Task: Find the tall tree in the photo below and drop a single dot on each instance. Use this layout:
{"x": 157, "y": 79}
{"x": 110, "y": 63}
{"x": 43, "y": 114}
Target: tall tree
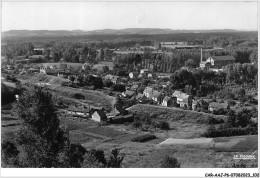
{"x": 42, "y": 141}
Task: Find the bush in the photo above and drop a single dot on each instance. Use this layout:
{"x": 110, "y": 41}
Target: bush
{"x": 96, "y": 158}
{"x": 170, "y": 162}
{"x": 213, "y": 132}
{"x": 9, "y": 153}
{"x": 162, "y": 125}
{"x": 79, "y": 96}
{"x": 221, "y": 111}
{"x": 118, "y": 87}
{"x": 143, "y": 138}
{"x": 212, "y": 120}
{"x": 137, "y": 124}
{"x": 108, "y": 83}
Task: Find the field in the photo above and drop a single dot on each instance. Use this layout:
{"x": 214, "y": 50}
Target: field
{"x": 219, "y": 153}
{"x": 95, "y": 98}
{"x": 183, "y": 123}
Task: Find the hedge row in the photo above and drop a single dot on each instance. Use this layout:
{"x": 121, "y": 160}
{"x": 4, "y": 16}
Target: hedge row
{"x": 231, "y": 132}
{"x": 143, "y": 138}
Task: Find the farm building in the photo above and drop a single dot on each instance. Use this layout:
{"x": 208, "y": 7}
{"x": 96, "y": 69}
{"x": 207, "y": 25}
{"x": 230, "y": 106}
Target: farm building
{"x": 214, "y": 106}
{"x": 99, "y": 116}
{"x": 81, "y": 111}
{"x": 167, "y": 101}
{"x": 220, "y": 61}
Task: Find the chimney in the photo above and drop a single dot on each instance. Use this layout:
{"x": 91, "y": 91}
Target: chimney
{"x": 200, "y": 54}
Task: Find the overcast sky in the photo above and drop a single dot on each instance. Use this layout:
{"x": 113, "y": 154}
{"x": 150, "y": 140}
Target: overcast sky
{"x": 119, "y": 15}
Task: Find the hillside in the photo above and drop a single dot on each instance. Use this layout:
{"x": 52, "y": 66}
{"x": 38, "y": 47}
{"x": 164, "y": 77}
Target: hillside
{"x": 125, "y": 31}
{"x": 172, "y": 114}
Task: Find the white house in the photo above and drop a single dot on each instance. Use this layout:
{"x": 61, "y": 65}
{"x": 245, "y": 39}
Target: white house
{"x": 99, "y": 116}
{"x": 148, "y": 92}
{"x": 167, "y": 101}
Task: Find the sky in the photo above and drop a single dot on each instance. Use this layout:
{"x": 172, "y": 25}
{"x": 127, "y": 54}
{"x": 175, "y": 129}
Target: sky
{"x": 118, "y": 15}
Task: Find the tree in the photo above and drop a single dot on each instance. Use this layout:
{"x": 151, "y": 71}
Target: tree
{"x": 42, "y": 140}
{"x": 108, "y": 83}
{"x": 56, "y": 57}
{"x": 96, "y": 158}
{"x": 115, "y": 159}
{"x": 190, "y": 63}
{"x": 9, "y": 153}
{"x": 105, "y": 69}
{"x": 72, "y": 78}
{"x": 80, "y": 79}
{"x": 241, "y": 94}
{"x": 118, "y": 87}
{"x": 170, "y": 162}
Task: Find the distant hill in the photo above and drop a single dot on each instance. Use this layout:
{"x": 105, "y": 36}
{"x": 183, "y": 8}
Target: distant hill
{"x": 126, "y": 31}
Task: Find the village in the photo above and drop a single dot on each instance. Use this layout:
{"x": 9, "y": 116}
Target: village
{"x": 149, "y": 100}
{"x": 133, "y": 89}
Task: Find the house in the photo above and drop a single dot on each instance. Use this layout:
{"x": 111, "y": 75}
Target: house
{"x": 183, "y": 99}
{"x": 93, "y": 109}
{"x": 81, "y": 111}
{"x": 115, "y": 79}
{"x": 134, "y": 87}
{"x": 38, "y": 51}
{"x": 131, "y": 75}
{"x": 157, "y": 96}
{"x": 148, "y": 92}
{"x": 199, "y": 104}
{"x": 167, "y": 101}
{"x": 118, "y": 110}
{"x": 140, "y": 98}
{"x": 128, "y": 93}
{"x": 150, "y": 75}
{"x": 144, "y": 71}
{"x": 33, "y": 70}
{"x": 122, "y": 118}
{"x": 220, "y": 61}
{"x": 99, "y": 116}
{"x": 214, "y": 106}
{"x": 205, "y": 65}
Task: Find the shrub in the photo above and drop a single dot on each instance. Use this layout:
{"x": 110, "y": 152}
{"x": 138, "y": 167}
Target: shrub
{"x": 143, "y": 138}
{"x": 170, "y": 162}
{"x": 96, "y": 158}
{"x": 115, "y": 159}
{"x": 118, "y": 87}
{"x": 9, "y": 153}
{"x": 212, "y": 120}
{"x": 108, "y": 83}
{"x": 79, "y": 96}
{"x": 213, "y": 132}
{"x": 162, "y": 125}
{"x": 137, "y": 124}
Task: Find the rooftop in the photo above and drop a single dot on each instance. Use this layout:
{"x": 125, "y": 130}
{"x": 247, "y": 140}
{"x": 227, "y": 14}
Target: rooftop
{"x": 223, "y": 58}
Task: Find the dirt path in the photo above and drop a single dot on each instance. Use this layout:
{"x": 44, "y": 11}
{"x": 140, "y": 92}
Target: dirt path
{"x": 208, "y": 142}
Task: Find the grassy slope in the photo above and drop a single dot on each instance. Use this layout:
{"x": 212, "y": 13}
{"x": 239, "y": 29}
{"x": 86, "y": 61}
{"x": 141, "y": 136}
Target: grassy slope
{"x": 171, "y": 114}
{"x": 94, "y": 98}
{"x": 183, "y": 123}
